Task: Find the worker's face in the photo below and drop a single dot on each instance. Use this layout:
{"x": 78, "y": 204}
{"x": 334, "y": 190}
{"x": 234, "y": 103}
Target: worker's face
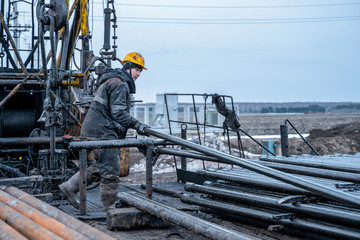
{"x": 135, "y": 73}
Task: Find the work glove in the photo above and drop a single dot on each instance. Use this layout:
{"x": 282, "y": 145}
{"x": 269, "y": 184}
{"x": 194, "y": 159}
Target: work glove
{"x": 140, "y": 127}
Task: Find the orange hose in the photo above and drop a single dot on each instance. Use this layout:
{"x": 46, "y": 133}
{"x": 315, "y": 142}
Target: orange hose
{"x": 24, "y": 225}
{"x": 40, "y": 218}
{"x": 8, "y": 233}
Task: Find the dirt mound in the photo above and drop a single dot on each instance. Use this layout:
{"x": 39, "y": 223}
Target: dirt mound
{"x": 342, "y": 139}
{"x": 349, "y": 129}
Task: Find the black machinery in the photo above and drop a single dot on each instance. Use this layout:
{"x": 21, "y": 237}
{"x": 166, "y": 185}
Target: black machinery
{"x": 43, "y": 100}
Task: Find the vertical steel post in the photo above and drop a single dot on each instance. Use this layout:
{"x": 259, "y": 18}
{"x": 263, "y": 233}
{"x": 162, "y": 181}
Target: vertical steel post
{"x": 284, "y": 140}
{"x": 183, "y": 136}
{"x": 149, "y": 157}
{"x": 82, "y": 168}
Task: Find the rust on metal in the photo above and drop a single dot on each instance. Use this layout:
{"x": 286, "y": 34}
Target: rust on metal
{"x": 7, "y": 232}
{"x": 40, "y": 218}
{"x": 71, "y": 222}
{"x": 25, "y": 226}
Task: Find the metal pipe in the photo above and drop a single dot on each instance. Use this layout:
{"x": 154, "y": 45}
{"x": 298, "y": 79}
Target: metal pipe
{"x": 296, "y": 223}
{"x": 149, "y": 172}
{"x": 90, "y": 232}
{"x": 263, "y": 184}
{"x": 309, "y": 171}
{"x": 9, "y": 233}
{"x": 314, "y": 164}
{"x": 284, "y": 140}
{"x": 28, "y": 140}
{"x": 205, "y": 228}
{"x": 325, "y": 213}
{"x": 258, "y": 143}
{"x": 16, "y": 82}
{"x": 40, "y": 218}
{"x": 183, "y": 136}
{"x": 307, "y": 143}
{"x": 24, "y": 225}
{"x": 116, "y": 143}
{"x": 284, "y": 177}
{"x": 21, "y": 180}
{"x": 82, "y": 183}
{"x": 187, "y": 154}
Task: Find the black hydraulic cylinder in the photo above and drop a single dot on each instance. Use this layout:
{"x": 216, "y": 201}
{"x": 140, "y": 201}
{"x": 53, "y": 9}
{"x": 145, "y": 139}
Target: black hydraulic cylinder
{"x": 324, "y": 213}
{"x": 284, "y": 140}
{"x": 297, "y": 223}
{"x": 107, "y": 13}
{"x": 276, "y": 174}
{"x": 170, "y": 214}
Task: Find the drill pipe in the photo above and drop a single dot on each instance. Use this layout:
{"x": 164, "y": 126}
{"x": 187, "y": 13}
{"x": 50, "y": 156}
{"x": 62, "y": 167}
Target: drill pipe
{"x": 263, "y": 184}
{"x": 25, "y": 226}
{"x": 21, "y": 180}
{"x": 292, "y": 161}
{"x": 327, "y": 213}
{"x": 316, "y": 172}
{"x": 28, "y": 140}
{"x": 88, "y": 231}
{"x": 116, "y": 143}
{"x": 276, "y": 174}
{"x": 40, "y": 218}
{"x": 8, "y": 233}
{"x": 322, "y": 229}
{"x": 182, "y": 153}
{"x": 205, "y": 228}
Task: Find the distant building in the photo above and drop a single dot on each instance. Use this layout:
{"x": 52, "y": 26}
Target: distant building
{"x": 156, "y": 114}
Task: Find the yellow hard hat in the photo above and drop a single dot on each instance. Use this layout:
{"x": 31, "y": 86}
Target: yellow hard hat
{"x": 136, "y": 58}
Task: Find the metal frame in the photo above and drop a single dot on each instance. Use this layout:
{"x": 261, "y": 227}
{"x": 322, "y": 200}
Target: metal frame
{"x": 85, "y": 146}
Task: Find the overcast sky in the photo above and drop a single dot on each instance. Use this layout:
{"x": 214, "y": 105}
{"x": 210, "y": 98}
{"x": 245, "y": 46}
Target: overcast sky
{"x": 253, "y": 50}
{"x": 269, "y": 52}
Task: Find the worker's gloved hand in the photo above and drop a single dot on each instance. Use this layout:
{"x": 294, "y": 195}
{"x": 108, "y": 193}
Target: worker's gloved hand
{"x": 140, "y": 127}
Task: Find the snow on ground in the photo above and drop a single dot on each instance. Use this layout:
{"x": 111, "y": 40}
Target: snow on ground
{"x": 166, "y": 163}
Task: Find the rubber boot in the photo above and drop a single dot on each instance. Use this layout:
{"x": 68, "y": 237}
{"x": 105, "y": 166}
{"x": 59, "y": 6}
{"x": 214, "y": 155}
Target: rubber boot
{"x": 71, "y": 187}
{"x": 108, "y": 191}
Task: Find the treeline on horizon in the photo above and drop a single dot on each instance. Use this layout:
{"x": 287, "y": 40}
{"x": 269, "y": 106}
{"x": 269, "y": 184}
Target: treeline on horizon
{"x": 313, "y": 108}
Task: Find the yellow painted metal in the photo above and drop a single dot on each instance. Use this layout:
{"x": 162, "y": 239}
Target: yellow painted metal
{"x": 124, "y": 162}
{"x": 73, "y": 82}
{"x": 84, "y": 17}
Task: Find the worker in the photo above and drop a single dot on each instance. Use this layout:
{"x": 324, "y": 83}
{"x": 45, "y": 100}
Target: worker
{"x": 109, "y": 118}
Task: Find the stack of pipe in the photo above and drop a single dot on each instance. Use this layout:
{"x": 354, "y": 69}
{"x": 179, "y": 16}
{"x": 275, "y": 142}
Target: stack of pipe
{"x": 22, "y": 216}
{"x": 263, "y": 200}
{"x": 254, "y": 198}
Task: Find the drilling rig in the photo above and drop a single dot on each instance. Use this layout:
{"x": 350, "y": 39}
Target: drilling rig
{"x": 44, "y": 94}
